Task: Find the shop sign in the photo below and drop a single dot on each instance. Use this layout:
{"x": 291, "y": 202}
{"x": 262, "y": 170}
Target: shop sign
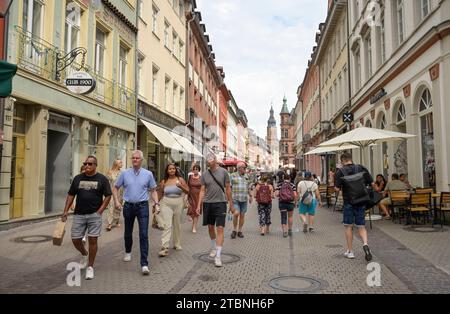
{"x": 81, "y": 83}
{"x": 378, "y": 96}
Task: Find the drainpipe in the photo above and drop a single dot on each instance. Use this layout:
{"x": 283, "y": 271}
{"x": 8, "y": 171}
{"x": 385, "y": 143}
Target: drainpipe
{"x": 136, "y": 78}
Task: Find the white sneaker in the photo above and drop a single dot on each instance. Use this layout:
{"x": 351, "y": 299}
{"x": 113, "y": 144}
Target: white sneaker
{"x": 84, "y": 261}
{"x": 84, "y": 240}
{"x": 89, "y": 273}
{"x": 145, "y": 271}
{"x": 218, "y": 262}
{"x": 127, "y": 257}
{"x": 213, "y": 253}
{"x": 349, "y": 255}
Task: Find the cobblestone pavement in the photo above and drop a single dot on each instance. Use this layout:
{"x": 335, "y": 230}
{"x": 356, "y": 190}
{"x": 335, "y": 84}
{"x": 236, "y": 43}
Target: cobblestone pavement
{"x": 411, "y": 262}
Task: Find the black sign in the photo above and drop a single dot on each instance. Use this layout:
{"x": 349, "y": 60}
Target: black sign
{"x": 348, "y": 117}
{"x": 378, "y": 96}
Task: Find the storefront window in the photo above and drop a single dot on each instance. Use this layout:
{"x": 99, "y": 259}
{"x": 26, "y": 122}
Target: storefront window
{"x": 93, "y": 139}
{"x": 118, "y": 146}
{"x": 427, "y": 138}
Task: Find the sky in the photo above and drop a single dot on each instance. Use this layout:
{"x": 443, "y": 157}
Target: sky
{"x": 264, "y": 47}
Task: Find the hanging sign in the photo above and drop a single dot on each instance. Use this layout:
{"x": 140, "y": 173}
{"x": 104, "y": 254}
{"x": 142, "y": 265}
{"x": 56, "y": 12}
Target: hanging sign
{"x": 80, "y": 83}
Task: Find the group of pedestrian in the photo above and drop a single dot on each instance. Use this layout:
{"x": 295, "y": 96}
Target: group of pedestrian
{"x": 214, "y": 194}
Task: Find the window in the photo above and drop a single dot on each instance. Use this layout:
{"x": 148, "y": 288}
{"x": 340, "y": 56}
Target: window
{"x": 425, "y": 101}
{"x": 368, "y": 43}
{"x": 424, "y": 8}
{"x": 166, "y": 34}
{"x": 155, "y": 13}
{"x": 400, "y": 11}
{"x": 140, "y": 66}
{"x": 93, "y": 139}
{"x": 166, "y": 93}
{"x": 100, "y": 48}
{"x": 140, "y": 4}
{"x": 357, "y": 68}
{"x": 175, "y": 50}
{"x": 181, "y": 106}
{"x": 383, "y": 40}
{"x": 155, "y": 71}
{"x": 33, "y": 15}
{"x": 401, "y": 114}
{"x": 72, "y": 29}
{"x": 181, "y": 8}
{"x": 175, "y": 98}
{"x": 123, "y": 55}
{"x": 181, "y": 48}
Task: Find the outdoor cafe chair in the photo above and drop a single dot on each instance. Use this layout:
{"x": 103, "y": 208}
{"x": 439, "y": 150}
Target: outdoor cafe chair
{"x": 323, "y": 190}
{"x": 331, "y": 194}
{"x": 424, "y": 190}
{"x": 399, "y": 201}
{"x": 419, "y": 203}
{"x": 444, "y": 206}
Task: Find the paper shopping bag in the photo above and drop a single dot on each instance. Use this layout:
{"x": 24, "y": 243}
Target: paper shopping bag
{"x": 58, "y": 233}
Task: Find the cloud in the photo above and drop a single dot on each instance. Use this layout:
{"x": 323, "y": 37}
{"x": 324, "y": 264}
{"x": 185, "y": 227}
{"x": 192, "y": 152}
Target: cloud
{"x": 264, "y": 47}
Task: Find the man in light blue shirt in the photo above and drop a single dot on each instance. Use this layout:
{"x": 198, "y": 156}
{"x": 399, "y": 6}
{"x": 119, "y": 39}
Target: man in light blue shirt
{"x": 137, "y": 183}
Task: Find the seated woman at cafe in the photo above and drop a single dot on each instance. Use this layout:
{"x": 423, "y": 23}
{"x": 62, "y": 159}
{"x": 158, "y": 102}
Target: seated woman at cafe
{"x": 394, "y": 185}
{"x": 380, "y": 183}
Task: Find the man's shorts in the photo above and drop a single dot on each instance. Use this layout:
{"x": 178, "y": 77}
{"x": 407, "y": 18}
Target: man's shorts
{"x": 386, "y": 201}
{"x": 308, "y": 209}
{"x": 286, "y": 206}
{"x": 354, "y": 215}
{"x": 241, "y": 207}
{"x": 91, "y": 223}
{"x": 214, "y": 214}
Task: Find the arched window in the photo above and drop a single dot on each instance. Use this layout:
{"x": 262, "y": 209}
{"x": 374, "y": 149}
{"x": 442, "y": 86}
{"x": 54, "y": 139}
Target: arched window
{"x": 425, "y": 101}
{"x": 401, "y": 114}
{"x": 383, "y": 122}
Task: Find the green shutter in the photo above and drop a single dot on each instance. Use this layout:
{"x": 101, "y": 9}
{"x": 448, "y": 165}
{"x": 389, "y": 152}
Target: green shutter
{"x": 7, "y": 72}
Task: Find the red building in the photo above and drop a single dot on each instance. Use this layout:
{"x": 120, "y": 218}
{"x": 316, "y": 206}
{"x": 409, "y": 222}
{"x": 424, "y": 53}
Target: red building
{"x": 204, "y": 82}
{"x": 224, "y": 97}
{"x": 287, "y": 142}
{"x": 310, "y": 98}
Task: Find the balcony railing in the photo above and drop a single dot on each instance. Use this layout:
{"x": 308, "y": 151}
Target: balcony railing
{"x": 39, "y": 57}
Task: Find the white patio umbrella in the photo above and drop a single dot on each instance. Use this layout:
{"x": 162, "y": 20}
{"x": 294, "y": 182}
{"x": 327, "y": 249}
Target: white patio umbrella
{"x": 364, "y": 137}
{"x": 330, "y": 149}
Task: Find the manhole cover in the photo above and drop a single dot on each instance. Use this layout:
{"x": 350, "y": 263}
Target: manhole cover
{"x": 207, "y": 278}
{"x": 334, "y": 246}
{"x": 423, "y": 229}
{"x": 227, "y": 258}
{"x": 33, "y": 239}
{"x": 297, "y": 284}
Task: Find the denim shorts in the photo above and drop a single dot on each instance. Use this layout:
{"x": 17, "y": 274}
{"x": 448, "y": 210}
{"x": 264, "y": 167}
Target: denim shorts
{"x": 91, "y": 223}
{"x": 308, "y": 209}
{"x": 241, "y": 207}
{"x": 286, "y": 206}
{"x": 354, "y": 215}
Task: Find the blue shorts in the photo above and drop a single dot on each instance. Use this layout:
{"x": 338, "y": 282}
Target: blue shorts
{"x": 308, "y": 209}
{"x": 354, "y": 215}
{"x": 241, "y": 207}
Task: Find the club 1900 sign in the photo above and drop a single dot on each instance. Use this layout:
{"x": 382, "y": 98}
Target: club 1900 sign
{"x": 80, "y": 83}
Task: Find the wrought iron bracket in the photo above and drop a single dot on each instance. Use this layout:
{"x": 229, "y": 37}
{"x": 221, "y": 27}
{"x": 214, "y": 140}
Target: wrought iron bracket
{"x": 64, "y": 61}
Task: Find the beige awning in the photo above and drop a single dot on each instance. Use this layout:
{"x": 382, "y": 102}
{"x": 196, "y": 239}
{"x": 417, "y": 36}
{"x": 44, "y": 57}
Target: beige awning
{"x": 172, "y": 140}
{"x": 330, "y": 149}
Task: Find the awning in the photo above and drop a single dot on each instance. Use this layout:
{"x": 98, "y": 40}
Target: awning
{"x": 171, "y": 140}
{"x": 7, "y": 72}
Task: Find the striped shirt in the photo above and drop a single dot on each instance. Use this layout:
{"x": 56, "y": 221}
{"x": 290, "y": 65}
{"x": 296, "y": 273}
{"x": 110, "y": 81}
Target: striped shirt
{"x": 240, "y": 186}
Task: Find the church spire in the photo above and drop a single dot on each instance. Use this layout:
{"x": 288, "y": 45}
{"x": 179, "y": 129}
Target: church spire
{"x": 272, "y": 122}
{"x": 285, "y": 109}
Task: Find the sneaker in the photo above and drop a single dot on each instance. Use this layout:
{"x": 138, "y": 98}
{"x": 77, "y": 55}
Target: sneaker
{"x": 145, "y": 271}
{"x": 367, "y": 252}
{"x": 349, "y": 255}
{"x": 233, "y": 235}
{"x": 218, "y": 262}
{"x": 285, "y": 234}
{"x": 305, "y": 228}
{"x": 89, "y": 273}
{"x": 163, "y": 253}
{"x": 311, "y": 230}
{"x": 84, "y": 240}
{"x": 213, "y": 253}
{"x": 240, "y": 235}
{"x": 178, "y": 248}
{"x": 290, "y": 233}
{"x": 84, "y": 261}
{"x": 127, "y": 257}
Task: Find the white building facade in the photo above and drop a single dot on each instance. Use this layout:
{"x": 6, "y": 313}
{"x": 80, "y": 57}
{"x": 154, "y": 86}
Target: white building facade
{"x": 400, "y": 67}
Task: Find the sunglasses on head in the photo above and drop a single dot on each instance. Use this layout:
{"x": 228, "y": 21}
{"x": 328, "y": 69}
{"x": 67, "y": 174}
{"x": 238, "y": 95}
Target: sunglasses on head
{"x": 90, "y": 164}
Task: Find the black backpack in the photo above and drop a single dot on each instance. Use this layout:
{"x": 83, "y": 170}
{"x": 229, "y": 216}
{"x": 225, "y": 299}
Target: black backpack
{"x": 355, "y": 186}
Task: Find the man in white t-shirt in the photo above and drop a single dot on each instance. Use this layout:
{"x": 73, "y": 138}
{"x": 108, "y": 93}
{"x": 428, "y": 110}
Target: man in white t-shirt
{"x": 307, "y": 207}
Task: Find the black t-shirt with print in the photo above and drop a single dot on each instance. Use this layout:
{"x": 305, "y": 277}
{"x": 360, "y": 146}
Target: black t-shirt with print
{"x": 89, "y": 192}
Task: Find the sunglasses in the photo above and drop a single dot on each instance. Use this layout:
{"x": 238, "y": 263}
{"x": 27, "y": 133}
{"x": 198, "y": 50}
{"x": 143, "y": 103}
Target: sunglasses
{"x": 90, "y": 164}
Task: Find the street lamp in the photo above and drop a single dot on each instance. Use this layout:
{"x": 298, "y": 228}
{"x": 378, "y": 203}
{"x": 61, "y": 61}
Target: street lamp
{"x": 4, "y": 7}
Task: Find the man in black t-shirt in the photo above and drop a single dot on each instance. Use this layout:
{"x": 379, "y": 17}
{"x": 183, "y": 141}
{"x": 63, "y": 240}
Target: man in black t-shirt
{"x": 93, "y": 193}
{"x": 353, "y": 214}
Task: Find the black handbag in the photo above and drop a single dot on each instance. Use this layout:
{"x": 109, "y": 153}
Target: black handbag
{"x": 375, "y": 198}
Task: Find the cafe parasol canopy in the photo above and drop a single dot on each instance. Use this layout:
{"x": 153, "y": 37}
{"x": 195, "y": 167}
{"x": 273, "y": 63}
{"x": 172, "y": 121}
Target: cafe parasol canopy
{"x": 330, "y": 149}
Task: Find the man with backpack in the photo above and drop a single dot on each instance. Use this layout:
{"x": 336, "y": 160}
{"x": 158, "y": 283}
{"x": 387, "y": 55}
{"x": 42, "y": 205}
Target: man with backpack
{"x": 309, "y": 197}
{"x": 264, "y": 196}
{"x": 287, "y": 196}
{"x": 353, "y": 181}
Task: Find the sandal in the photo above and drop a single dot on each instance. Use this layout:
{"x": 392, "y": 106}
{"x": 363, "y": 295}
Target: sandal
{"x": 163, "y": 253}
{"x": 109, "y": 228}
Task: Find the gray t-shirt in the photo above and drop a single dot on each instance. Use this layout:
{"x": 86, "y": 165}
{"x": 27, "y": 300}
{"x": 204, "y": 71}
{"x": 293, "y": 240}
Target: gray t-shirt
{"x": 214, "y": 193}
{"x": 395, "y": 185}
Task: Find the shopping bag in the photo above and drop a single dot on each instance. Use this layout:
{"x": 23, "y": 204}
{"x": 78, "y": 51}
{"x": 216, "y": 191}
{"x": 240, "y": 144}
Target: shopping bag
{"x": 58, "y": 233}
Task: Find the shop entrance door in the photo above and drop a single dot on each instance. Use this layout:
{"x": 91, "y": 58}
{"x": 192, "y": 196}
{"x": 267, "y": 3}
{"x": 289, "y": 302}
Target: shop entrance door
{"x": 17, "y": 176}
